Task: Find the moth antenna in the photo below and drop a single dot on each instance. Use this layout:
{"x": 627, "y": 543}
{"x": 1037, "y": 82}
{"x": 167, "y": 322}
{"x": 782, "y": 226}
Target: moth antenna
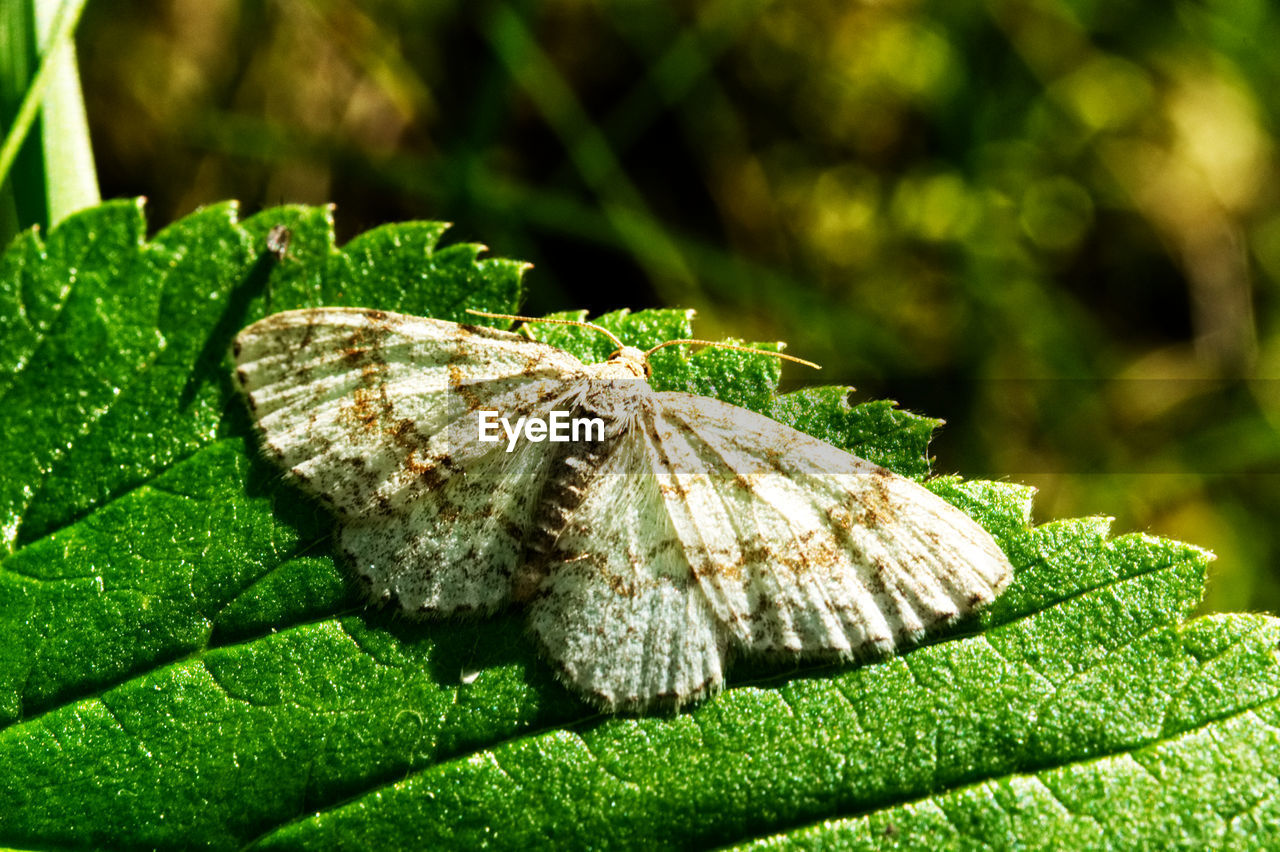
{"x": 718, "y": 345}
{"x": 579, "y": 323}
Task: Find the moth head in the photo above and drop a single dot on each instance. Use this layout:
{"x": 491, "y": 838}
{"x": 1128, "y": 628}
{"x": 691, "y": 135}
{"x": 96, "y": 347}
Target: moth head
{"x": 634, "y": 360}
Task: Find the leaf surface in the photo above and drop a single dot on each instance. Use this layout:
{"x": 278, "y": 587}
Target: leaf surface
{"x": 183, "y": 664}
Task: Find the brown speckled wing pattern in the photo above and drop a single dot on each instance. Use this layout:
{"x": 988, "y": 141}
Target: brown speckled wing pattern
{"x": 695, "y": 529}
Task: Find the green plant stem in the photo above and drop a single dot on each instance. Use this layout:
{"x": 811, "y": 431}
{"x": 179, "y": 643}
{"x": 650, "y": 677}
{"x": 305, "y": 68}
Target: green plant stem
{"x": 68, "y": 16}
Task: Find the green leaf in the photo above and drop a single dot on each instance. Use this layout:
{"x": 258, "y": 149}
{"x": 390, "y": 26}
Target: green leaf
{"x": 183, "y": 664}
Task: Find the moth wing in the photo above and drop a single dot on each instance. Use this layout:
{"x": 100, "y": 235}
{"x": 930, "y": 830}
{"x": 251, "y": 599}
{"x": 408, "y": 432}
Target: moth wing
{"x": 620, "y": 612}
{"x": 455, "y": 550}
{"x": 376, "y": 414}
{"x": 370, "y": 409}
{"x": 804, "y": 549}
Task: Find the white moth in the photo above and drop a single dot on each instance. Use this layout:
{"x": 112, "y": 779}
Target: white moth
{"x": 694, "y": 529}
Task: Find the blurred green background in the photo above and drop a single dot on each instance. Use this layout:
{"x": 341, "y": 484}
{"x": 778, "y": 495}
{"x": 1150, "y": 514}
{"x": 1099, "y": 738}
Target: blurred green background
{"x": 1054, "y": 224}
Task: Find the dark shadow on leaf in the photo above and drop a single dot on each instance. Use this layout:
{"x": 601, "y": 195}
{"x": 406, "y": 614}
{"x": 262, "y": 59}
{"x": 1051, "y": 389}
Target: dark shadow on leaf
{"x": 775, "y": 671}
{"x": 464, "y": 646}
{"x": 288, "y": 503}
{"x": 209, "y": 362}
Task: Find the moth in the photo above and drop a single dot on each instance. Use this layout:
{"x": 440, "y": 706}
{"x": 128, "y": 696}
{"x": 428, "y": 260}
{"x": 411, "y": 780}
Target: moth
{"x": 647, "y": 552}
